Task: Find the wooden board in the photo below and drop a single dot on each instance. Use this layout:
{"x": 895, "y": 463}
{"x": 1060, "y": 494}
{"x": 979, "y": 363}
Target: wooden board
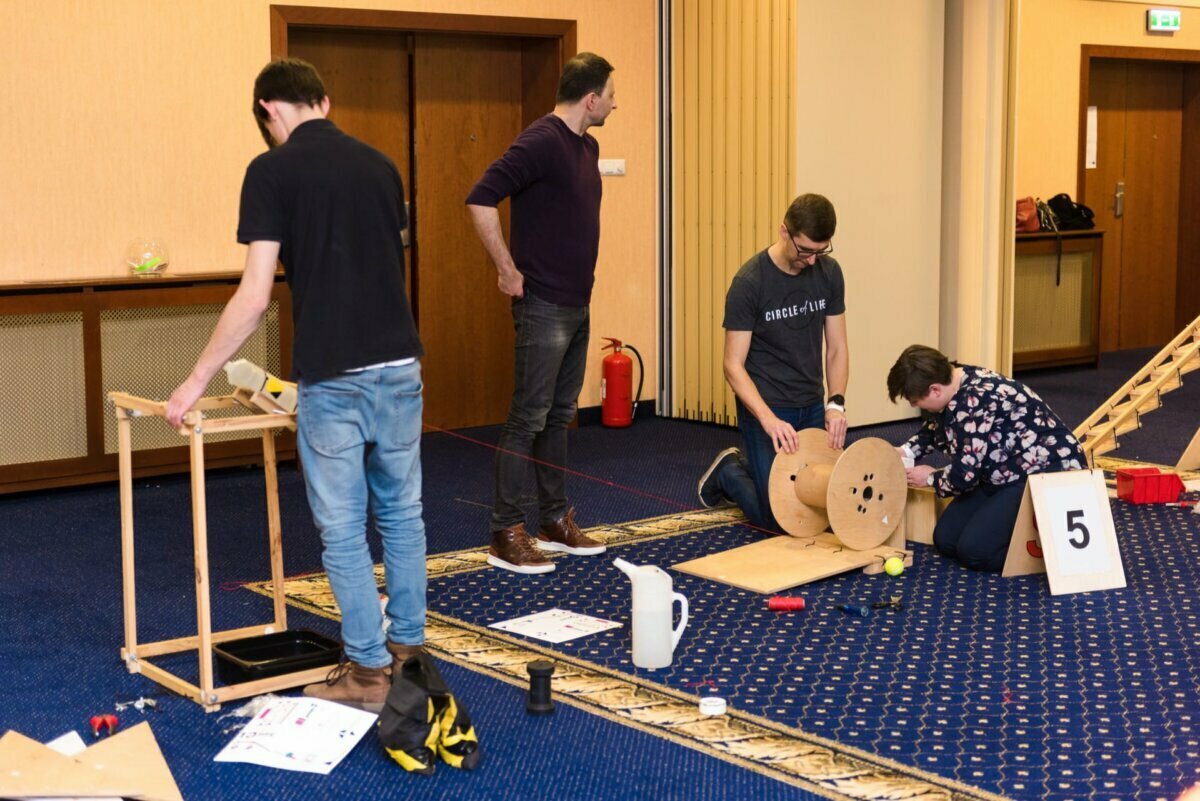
{"x": 127, "y": 764}
{"x": 134, "y": 752}
{"x": 1024, "y": 549}
{"x": 1191, "y": 456}
{"x": 793, "y": 515}
{"x": 922, "y": 513}
{"x": 775, "y": 564}
{"x": 1079, "y": 552}
{"x": 866, "y": 494}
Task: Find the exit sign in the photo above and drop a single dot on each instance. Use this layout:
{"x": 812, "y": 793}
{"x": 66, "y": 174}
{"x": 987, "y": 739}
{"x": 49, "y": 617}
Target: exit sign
{"x": 1162, "y": 19}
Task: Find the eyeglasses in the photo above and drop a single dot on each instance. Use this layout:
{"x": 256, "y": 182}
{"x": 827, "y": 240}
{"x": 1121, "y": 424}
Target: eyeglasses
{"x": 805, "y": 253}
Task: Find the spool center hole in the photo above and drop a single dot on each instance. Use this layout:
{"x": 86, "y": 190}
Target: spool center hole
{"x": 867, "y": 493}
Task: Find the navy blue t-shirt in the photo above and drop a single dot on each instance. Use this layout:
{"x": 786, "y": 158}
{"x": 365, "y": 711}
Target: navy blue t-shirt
{"x": 336, "y": 206}
{"x": 552, "y": 175}
{"x": 786, "y": 317}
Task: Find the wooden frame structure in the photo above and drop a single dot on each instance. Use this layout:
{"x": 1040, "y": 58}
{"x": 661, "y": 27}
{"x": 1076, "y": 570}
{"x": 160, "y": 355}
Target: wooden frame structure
{"x": 262, "y": 414}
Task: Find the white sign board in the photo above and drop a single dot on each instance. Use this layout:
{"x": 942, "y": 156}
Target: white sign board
{"x": 1065, "y": 528}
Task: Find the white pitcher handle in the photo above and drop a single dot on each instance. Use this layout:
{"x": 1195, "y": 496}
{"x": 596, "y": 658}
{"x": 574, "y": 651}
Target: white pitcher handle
{"x": 683, "y": 619}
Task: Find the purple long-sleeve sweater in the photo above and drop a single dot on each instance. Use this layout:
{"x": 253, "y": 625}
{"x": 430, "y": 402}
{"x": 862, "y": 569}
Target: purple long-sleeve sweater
{"x": 553, "y": 177}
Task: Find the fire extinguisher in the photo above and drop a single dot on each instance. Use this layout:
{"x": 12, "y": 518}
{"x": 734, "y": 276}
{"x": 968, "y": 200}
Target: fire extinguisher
{"x": 617, "y": 403}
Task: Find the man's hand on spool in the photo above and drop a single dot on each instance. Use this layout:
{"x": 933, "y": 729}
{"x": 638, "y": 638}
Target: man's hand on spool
{"x": 835, "y": 426}
{"x": 781, "y": 433}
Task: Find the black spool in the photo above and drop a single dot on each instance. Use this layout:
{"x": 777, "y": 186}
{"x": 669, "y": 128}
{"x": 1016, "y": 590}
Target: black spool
{"x": 540, "y": 702}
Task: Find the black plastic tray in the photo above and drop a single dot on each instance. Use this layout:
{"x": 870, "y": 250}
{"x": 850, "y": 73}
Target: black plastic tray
{"x": 267, "y": 655}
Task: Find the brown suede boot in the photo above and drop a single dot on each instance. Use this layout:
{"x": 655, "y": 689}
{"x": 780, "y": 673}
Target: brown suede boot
{"x": 354, "y": 685}
{"x": 512, "y": 549}
{"x": 564, "y": 535}
{"x": 401, "y": 653}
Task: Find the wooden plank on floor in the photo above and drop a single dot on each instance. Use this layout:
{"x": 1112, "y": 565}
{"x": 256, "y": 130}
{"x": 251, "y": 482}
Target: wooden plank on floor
{"x": 778, "y": 563}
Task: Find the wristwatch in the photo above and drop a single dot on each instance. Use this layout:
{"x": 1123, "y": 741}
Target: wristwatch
{"x": 836, "y": 403}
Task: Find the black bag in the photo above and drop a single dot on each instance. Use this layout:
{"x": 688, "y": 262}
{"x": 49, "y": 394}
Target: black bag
{"x": 1046, "y": 219}
{"x": 1071, "y": 216}
{"x": 422, "y": 718}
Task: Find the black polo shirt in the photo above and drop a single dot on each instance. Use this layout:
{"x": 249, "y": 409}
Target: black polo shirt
{"x": 336, "y": 206}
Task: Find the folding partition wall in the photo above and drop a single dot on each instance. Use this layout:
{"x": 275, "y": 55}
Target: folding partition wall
{"x": 732, "y": 71}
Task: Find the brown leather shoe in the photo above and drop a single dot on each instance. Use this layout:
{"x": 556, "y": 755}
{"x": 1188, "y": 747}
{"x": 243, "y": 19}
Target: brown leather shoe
{"x": 564, "y": 535}
{"x": 401, "y": 653}
{"x": 512, "y": 549}
{"x": 354, "y": 685}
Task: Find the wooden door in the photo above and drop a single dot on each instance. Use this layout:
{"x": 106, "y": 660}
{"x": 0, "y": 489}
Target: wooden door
{"x": 467, "y": 94}
{"x": 366, "y": 76}
{"x": 1139, "y": 143}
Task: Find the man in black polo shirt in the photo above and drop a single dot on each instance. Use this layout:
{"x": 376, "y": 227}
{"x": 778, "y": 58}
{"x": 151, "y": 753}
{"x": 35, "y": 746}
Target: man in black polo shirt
{"x": 331, "y": 209}
{"x": 552, "y": 175}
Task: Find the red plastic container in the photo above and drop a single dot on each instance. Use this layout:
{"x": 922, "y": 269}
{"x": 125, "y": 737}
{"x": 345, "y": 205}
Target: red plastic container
{"x": 1148, "y": 485}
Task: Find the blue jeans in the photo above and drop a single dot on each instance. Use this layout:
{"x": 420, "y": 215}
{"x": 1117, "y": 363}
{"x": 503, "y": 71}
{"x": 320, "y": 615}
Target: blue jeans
{"x": 359, "y": 437}
{"x": 977, "y": 526}
{"x": 551, "y": 352}
{"x": 745, "y": 480}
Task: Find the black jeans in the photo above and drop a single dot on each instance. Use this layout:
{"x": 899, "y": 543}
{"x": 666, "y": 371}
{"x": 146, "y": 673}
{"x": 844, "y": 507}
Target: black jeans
{"x": 551, "y": 353}
{"x": 976, "y": 527}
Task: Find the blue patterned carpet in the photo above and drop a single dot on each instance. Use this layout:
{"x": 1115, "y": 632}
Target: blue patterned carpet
{"x": 978, "y": 683}
{"x": 987, "y": 681}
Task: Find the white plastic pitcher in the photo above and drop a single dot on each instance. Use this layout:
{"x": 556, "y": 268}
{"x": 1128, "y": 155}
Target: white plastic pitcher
{"x": 654, "y": 640}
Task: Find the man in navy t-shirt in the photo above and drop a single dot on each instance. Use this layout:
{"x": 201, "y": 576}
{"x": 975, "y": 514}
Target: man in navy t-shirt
{"x": 331, "y": 209}
{"x": 782, "y": 306}
{"x": 552, "y": 176}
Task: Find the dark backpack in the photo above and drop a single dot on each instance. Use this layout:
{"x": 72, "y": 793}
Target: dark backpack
{"x": 1071, "y": 216}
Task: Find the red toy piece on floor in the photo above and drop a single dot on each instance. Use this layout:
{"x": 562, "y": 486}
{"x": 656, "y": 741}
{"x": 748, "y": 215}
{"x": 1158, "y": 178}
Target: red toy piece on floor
{"x": 1148, "y": 485}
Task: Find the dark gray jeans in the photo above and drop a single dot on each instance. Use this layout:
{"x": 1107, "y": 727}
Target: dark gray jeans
{"x": 551, "y": 352}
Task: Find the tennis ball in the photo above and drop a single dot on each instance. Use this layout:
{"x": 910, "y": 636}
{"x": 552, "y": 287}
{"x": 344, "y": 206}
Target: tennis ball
{"x": 894, "y": 566}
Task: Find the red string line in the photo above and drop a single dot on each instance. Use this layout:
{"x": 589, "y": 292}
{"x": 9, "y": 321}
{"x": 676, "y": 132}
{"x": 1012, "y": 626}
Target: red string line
{"x": 585, "y": 476}
{"x": 535, "y": 460}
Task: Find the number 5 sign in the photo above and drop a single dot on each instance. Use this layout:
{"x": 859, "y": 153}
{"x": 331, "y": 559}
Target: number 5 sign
{"x": 1065, "y": 529}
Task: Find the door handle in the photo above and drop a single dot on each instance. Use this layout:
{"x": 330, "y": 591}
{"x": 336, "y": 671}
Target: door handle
{"x": 1119, "y": 200}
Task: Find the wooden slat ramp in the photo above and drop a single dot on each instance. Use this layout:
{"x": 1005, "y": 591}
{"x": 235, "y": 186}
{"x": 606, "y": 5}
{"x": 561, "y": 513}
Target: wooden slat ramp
{"x": 1122, "y": 413}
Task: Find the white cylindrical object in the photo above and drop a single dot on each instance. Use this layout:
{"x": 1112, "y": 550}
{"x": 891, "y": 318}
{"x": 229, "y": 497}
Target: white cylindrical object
{"x": 712, "y": 705}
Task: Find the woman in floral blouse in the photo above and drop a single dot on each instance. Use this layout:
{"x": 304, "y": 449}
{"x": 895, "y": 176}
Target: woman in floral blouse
{"x": 997, "y": 432}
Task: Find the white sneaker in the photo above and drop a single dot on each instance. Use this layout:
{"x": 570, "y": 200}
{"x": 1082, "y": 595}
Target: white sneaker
{"x": 708, "y": 489}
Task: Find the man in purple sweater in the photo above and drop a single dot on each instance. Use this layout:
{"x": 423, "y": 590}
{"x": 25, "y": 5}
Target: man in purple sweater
{"x": 552, "y": 176}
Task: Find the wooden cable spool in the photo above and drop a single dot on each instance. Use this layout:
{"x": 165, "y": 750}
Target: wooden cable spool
{"x": 860, "y": 492}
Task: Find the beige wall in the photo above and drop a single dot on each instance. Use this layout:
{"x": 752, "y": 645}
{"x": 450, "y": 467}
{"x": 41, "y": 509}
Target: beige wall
{"x": 976, "y": 246}
{"x": 131, "y": 118}
{"x": 1051, "y": 33}
{"x": 869, "y": 137}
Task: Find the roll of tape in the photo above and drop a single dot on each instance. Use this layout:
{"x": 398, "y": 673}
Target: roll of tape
{"x": 712, "y": 706}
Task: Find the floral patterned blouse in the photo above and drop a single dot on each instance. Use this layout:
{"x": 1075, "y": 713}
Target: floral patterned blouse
{"x": 996, "y": 431}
